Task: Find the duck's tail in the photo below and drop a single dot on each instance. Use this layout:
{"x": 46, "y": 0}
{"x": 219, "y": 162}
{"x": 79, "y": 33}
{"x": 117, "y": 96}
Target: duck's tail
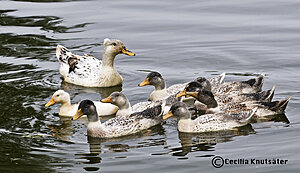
{"x": 280, "y": 106}
{"x": 256, "y": 82}
{"x": 277, "y": 106}
{"x": 248, "y": 116}
{"x": 63, "y": 54}
{"x": 269, "y": 94}
{"x": 218, "y": 80}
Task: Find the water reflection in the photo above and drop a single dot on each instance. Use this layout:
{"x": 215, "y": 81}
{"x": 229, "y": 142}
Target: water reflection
{"x": 276, "y": 118}
{"x": 193, "y": 142}
{"x": 98, "y": 146}
{"x": 104, "y": 92}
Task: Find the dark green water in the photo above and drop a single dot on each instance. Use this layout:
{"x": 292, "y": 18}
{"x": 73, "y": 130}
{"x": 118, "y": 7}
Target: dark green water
{"x": 180, "y": 39}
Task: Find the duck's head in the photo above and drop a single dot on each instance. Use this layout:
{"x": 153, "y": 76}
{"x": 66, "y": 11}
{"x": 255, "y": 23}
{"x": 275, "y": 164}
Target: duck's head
{"x": 155, "y": 79}
{"x": 190, "y": 87}
{"x": 118, "y": 99}
{"x": 115, "y": 47}
{"x": 179, "y": 110}
{"x": 204, "y": 96}
{"x": 88, "y": 108}
{"x": 60, "y": 96}
{"x": 204, "y": 82}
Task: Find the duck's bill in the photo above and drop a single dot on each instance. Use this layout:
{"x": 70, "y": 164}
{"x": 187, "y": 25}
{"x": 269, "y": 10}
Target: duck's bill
{"x": 193, "y": 94}
{"x": 127, "y": 52}
{"x": 144, "y": 83}
{"x": 77, "y": 115}
{"x": 51, "y": 102}
{"x": 182, "y": 93}
{"x": 107, "y": 100}
{"x": 168, "y": 115}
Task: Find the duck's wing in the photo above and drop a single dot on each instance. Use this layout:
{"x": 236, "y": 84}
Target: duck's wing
{"x": 141, "y": 106}
{"x": 150, "y": 113}
{"x": 82, "y": 66}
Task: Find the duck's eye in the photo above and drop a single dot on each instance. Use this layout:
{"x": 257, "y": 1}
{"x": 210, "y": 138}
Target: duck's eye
{"x": 114, "y": 44}
{"x": 57, "y": 95}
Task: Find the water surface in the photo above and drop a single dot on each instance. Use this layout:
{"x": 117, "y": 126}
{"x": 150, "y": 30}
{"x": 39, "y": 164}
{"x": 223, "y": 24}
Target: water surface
{"x": 180, "y": 39}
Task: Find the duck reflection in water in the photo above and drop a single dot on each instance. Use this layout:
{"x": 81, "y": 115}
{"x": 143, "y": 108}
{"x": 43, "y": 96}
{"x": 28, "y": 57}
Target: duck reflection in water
{"x": 194, "y": 142}
{"x": 103, "y": 91}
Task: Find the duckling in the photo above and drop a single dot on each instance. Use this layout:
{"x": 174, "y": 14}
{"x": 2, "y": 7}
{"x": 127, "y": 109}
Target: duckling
{"x": 233, "y": 96}
{"x": 263, "y": 108}
{"x": 118, "y": 126}
{"x": 68, "y": 109}
{"x": 207, "y": 122}
{"x": 87, "y": 70}
{"x": 120, "y": 100}
{"x": 160, "y": 92}
{"x": 249, "y": 86}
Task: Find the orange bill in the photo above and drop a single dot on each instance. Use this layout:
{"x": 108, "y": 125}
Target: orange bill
{"x": 127, "y": 52}
{"x": 107, "y": 100}
{"x": 51, "y": 102}
{"x": 144, "y": 83}
{"x": 182, "y": 93}
{"x": 168, "y": 115}
{"x": 77, "y": 115}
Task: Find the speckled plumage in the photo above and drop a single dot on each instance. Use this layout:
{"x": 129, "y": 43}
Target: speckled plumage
{"x": 118, "y": 126}
{"x": 87, "y": 70}
{"x": 208, "y": 122}
{"x": 249, "y": 86}
{"x": 123, "y": 125}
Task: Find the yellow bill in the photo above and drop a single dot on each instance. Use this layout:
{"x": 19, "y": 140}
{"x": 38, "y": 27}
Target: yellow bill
{"x": 182, "y": 93}
{"x": 127, "y": 52}
{"x": 193, "y": 94}
{"x": 168, "y": 115}
{"x": 144, "y": 83}
{"x": 51, "y": 102}
{"x": 77, "y": 115}
{"x": 107, "y": 100}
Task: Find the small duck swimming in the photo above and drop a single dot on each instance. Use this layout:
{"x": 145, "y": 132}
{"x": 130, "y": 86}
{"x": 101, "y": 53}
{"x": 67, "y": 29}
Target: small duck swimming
{"x": 120, "y": 100}
{"x": 118, "y": 126}
{"x": 263, "y": 108}
{"x": 68, "y": 109}
{"x": 233, "y": 96}
{"x": 248, "y": 86}
{"x": 207, "y": 122}
{"x": 160, "y": 92}
{"x": 87, "y": 70}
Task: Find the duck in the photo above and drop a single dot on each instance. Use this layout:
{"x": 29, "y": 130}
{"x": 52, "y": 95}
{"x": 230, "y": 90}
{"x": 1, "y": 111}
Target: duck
{"x": 207, "y": 122}
{"x": 67, "y": 109}
{"x": 125, "y": 108}
{"x": 249, "y": 86}
{"x": 118, "y": 126}
{"x": 87, "y": 70}
{"x": 160, "y": 92}
{"x": 263, "y": 108}
{"x": 233, "y": 96}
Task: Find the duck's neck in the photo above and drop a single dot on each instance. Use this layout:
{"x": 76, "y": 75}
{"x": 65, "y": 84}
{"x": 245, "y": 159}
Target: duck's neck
{"x": 108, "y": 59}
{"x": 159, "y": 93}
{"x": 66, "y": 104}
{"x": 124, "y": 109}
{"x": 93, "y": 118}
{"x": 160, "y": 86}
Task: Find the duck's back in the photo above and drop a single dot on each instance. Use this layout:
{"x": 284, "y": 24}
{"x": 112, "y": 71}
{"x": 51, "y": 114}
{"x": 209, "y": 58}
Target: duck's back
{"x": 80, "y": 70}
